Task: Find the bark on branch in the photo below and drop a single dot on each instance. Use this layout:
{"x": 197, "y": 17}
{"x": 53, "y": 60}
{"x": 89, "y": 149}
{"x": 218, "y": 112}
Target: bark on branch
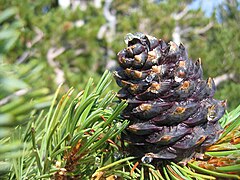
{"x": 181, "y": 14}
{"x": 39, "y": 36}
{"x": 108, "y": 30}
{"x": 51, "y": 55}
{"x": 204, "y": 29}
{"x": 222, "y": 78}
{"x": 20, "y": 92}
{"x": 176, "y": 35}
{"x": 179, "y": 31}
{"x": 110, "y": 27}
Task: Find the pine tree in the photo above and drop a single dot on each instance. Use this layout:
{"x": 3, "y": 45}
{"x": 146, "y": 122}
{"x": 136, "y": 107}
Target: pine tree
{"x": 75, "y": 134}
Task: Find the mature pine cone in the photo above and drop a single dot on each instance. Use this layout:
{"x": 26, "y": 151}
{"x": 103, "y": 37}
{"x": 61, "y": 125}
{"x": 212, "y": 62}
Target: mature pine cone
{"x": 171, "y": 108}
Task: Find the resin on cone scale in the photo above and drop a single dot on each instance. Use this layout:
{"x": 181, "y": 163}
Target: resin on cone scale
{"x": 171, "y": 108}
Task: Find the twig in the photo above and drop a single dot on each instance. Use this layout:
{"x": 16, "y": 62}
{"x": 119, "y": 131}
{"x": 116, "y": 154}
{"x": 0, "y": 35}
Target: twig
{"x": 110, "y": 26}
{"x": 204, "y": 29}
{"x": 186, "y": 30}
{"x": 51, "y": 55}
{"x": 176, "y": 35}
{"x": 20, "y": 92}
{"x": 108, "y": 30}
{"x": 23, "y": 57}
{"x": 222, "y": 78}
{"x": 39, "y": 36}
{"x": 179, "y": 31}
{"x": 102, "y": 31}
{"x": 181, "y": 14}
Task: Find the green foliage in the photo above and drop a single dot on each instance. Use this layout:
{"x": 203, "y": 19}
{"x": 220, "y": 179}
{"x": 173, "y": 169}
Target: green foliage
{"x": 79, "y": 137}
{"x": 218, "y": 47}
{"x": 9, "y": 30}
{"x": 221, "y": 160}
{"x": 74, "y": 138}
{"x": 219, "y": 50}
{"x": 43, "y": 143}
{"x": 36, "y": 27}
{"x": 74, "y": 31}
{"x": 19, "y": 99}
{"x": 19, "y": 102}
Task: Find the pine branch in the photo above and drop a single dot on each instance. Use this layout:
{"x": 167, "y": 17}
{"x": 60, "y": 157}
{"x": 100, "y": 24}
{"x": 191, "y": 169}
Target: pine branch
{"x": 223, "y": 77}
{"x": 51, "y": 55}
{"x": 75, "y": 132}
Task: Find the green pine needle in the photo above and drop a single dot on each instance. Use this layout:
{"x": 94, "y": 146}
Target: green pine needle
{"x": 79, "y": 137}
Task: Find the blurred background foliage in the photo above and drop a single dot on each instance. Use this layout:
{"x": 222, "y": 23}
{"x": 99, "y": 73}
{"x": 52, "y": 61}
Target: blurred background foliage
{"x": 45, "y": 43}
{"x": 69, "y": 44}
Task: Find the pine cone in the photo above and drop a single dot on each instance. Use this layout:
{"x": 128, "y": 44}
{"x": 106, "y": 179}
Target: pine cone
{"x": 171, "y": 108}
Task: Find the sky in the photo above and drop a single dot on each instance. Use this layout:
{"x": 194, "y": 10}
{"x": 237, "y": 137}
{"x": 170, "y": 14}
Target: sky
{"x": 206, "y": 5}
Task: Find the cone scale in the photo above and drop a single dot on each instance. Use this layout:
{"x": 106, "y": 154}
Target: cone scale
{"x": 171, "y": 108}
